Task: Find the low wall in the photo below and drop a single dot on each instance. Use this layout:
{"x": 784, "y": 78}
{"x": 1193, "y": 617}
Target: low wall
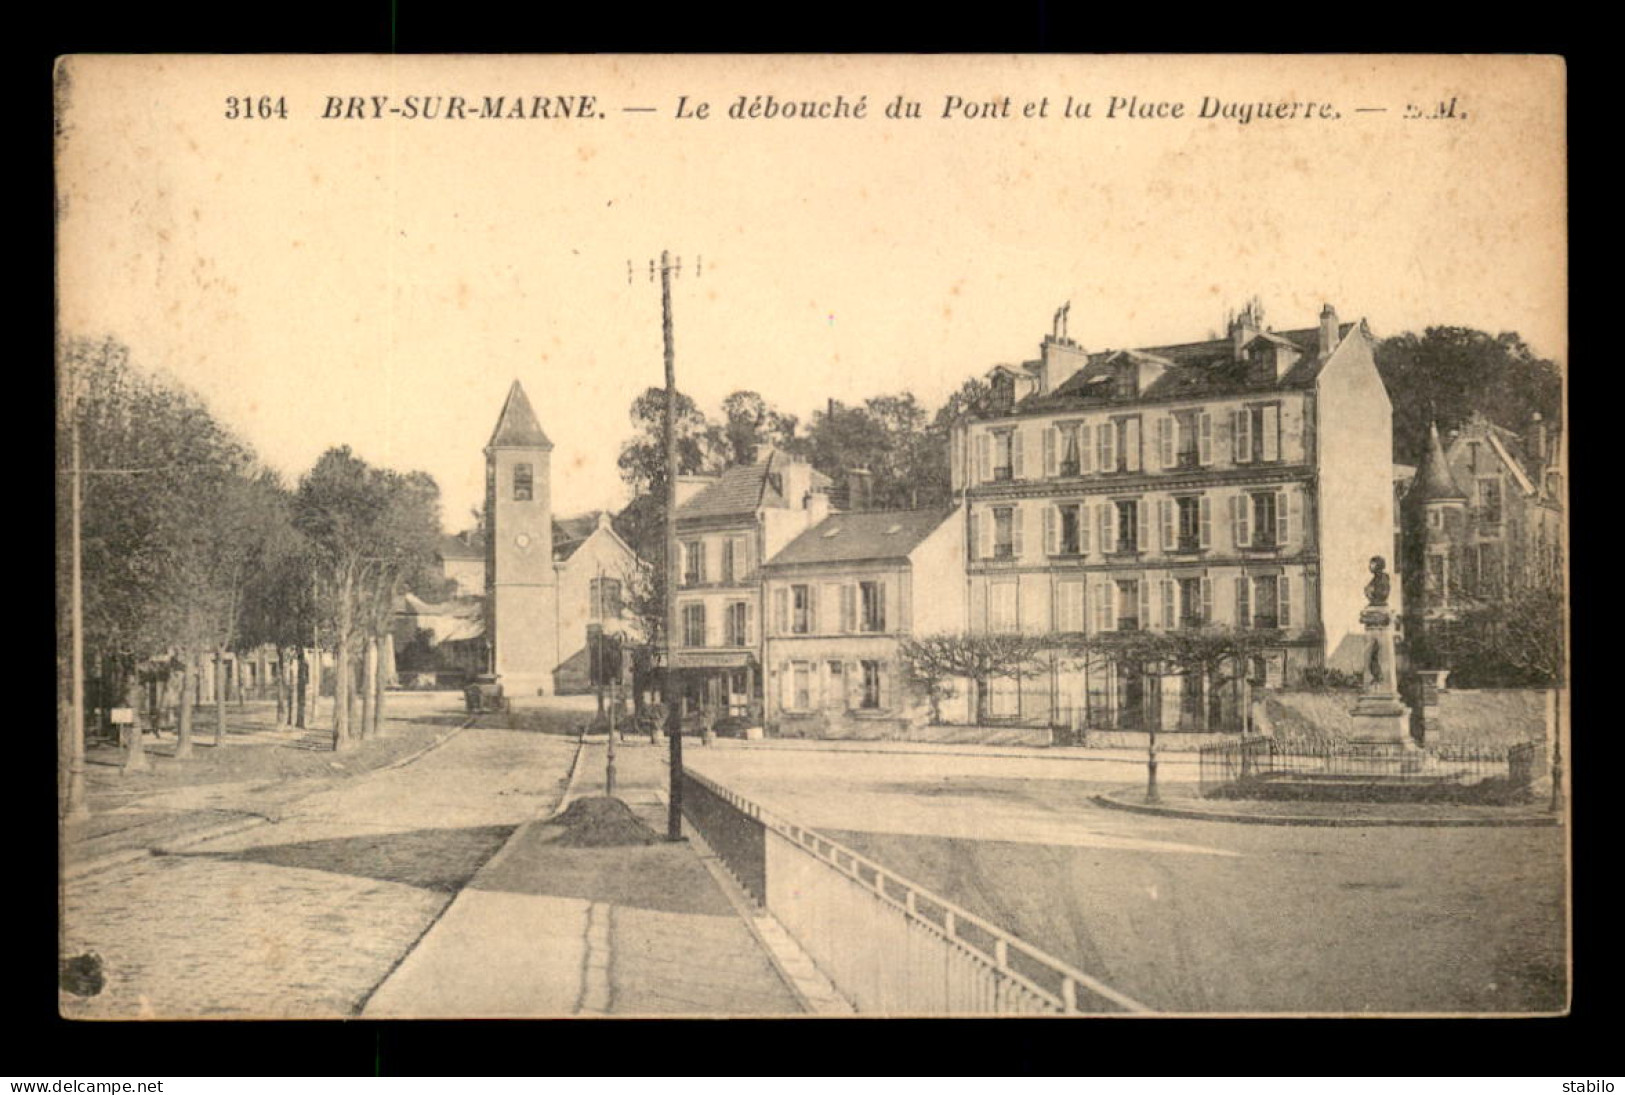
{"x": 890, "y": 946}
{"x": 836, "y": 728}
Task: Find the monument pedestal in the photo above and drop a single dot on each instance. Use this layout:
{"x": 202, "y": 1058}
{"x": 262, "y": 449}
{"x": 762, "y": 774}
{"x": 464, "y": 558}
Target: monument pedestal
{"x": 1381, "y": 722}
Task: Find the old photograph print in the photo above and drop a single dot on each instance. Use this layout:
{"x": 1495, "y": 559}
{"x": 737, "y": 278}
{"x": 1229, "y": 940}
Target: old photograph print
{"x": 629, "y": 536}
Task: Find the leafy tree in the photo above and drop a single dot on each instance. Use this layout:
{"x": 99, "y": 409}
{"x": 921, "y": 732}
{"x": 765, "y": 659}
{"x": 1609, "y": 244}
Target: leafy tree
{"x": 750, "y": 424}
{"x": 932, "y": 661}
{"x": 1447, "y": 373}
{"x": 700, "y": 443}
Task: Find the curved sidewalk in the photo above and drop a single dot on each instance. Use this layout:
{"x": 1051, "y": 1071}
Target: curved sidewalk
{"x": 1324, "y": 814}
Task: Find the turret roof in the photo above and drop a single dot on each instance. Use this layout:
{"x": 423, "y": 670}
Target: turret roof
{"x": 517, "y": 427}
{"x": 1434, "y": 483}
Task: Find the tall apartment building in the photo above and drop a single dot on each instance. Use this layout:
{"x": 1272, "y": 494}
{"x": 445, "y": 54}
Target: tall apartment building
{"x": 1243, "y": 481}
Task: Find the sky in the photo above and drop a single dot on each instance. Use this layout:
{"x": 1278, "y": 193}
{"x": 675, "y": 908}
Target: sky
{"x": 381, "y": 281}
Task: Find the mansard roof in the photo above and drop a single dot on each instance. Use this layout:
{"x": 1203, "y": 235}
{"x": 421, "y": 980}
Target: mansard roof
{"x": 1194, "y": 370}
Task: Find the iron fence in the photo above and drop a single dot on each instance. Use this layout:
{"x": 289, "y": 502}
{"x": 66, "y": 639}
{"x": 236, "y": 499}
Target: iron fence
{"x": 1263, "y": 767}
{"x": 889, "y": 945}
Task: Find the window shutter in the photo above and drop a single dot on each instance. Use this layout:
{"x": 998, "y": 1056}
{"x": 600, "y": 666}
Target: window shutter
{"x": 1283, "y": 602}
{"x": 1204, "y": 440}
{"x": 1168, "y": 610}
{"x": 1110, "y": 601}
{"x": 1244, "y": 610}
{"x": 1165, "y": 441}
{"x": 1244, "y": 519}
{"x": 1206, "y": 522}
{"x": 787, "y": 687}
{"x": 1108, "y": 446}
{"x": 1166, "y": 507}
{"x": 848, "y": 594}
{"x": 984, "y": 459}
{"x": 1017, "y": 461}
{"x": 1207, "y": 600}
{"x": 885, "y": 684}
{"x": 750, "y": 625}
{"x": 1244, "y": 435}
{"x": 880, "y": 606}
{"x": 1131, "y": 444}
{"x": 1145, "y": 602}
{"x": 1283, "y": 520}
{"x": 1270, "y": 426}
{"x": 781, "y": 610}
{"x": 1294, "y": 511}
{"x": 1016, "y": 544}
{"x": 1086, "y": 449}
{"x": 1051, "y": 542}
{"x": 956, "y": 462}
{"x": 986, "y": 528}
{"x": 1049, "y": 452}
{"x": 812, "y": 609}
{"x": 1083, "y": 528}
{"x": 1108, "y": 527}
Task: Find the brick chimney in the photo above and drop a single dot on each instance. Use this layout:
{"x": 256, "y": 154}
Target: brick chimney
{"x": 1244, "y": 327}
{"x": 1538, "y": 430}
{"x": 1328, "y": 330}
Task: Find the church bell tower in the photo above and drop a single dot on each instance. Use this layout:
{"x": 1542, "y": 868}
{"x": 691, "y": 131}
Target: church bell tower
{"x": 521, "y": 583}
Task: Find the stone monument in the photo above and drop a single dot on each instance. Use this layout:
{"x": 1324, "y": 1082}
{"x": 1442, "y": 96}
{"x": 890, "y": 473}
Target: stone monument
{"x": 1381, "y": 721}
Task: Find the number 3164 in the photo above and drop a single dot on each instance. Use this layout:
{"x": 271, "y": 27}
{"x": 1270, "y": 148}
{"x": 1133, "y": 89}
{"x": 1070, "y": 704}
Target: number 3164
{"x": 257, "y": 106}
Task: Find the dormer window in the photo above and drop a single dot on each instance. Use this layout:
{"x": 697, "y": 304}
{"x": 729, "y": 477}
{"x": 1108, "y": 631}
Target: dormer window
{"x": 1127, "y": 380}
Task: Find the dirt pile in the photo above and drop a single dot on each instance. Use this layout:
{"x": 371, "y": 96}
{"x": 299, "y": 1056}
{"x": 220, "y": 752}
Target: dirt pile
{"x": 601, "y": 822}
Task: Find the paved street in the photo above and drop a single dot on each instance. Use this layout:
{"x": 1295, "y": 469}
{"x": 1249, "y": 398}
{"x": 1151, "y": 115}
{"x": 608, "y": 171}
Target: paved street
{"x": 1191, "y": 915}
{"x": 306, "y": 916}
{"x": 547, "y": 930}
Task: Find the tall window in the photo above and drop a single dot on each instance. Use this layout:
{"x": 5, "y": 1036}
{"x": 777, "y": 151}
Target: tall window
{"x": 606, "y": 598}
{"x": 694, "y": 562}
{"x": 1190, "y": 524}
{"x": 729, "y": 559}
{"x": 523, "y": 483}
{"x": 1071, "y": 529}
{"x": 1004, "y": 698}
{"x": 1004, "y": 454}
{"x": 1266, "y": 604}
{"x": 871, "y": 684}
{"x": 1004, "y": 542}
{"x": 1128, "y": 605}
{"x": 874, "y": 605}
{"x": 801, "y": 610}
{"x": 1192, "y": 610}
{"x": 1264, "y": 517}
{"x": 1119, "y": 441}
{"x": 1489, "y": 501}
{"x": 1071, "y": 449}
{"x": 694, "y": 625}
{"x": 1257, "y": 433}
{"x": 738, "y": 624}
{"x": 801, "y": 686}
{"x": 1128, "y": 525}
{"x": 1186, "y": 451}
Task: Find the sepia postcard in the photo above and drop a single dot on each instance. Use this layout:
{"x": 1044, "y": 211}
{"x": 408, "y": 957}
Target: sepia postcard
{"x": 767, "y": 536}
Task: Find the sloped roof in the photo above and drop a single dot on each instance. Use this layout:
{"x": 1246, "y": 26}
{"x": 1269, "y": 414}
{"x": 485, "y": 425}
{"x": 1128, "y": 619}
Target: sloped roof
{"x": 569, "y": 533}
{"x": 1434, "y": 483}
{"x": 457, "y": 547}
{"x": 736, "y": 493}
{"x": 517, "y": 426}
{"x": 1195, "y": 370}
{"x": 871, "y": 534}
{"x": 739, "y": 491}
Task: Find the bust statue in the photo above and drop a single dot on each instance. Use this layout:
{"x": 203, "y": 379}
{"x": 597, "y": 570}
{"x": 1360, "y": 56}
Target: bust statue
{"x": 1376, "y": 590}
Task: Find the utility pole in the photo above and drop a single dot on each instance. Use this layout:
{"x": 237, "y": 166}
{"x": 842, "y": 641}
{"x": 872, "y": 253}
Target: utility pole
{"x": 668, "y": 678}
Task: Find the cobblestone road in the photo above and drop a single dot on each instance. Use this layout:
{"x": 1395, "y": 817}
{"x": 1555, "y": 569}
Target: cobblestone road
{"x": 306, "y": 916}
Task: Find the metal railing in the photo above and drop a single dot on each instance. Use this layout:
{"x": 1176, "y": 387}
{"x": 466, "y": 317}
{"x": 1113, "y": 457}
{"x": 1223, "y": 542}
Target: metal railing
{"x": 1235, "y": 766}
{"x": 889, "y": 945}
